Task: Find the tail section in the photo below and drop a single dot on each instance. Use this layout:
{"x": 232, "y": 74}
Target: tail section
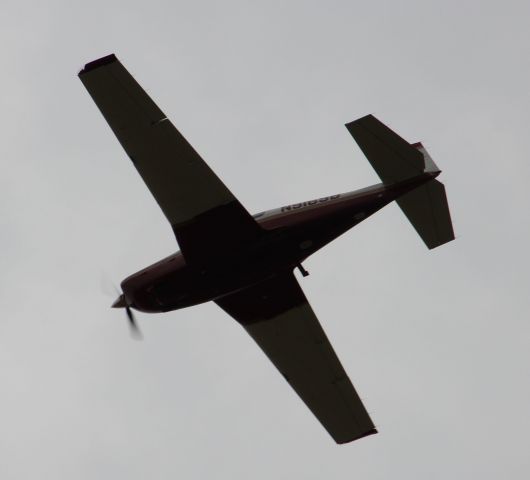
{"x": 430, "y": 166}
{"x": 426, "y": 208}
{"x": 396, "y": 160}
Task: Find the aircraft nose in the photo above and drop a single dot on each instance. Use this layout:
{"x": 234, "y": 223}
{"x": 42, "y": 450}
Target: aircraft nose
{"x": 120, "y": 302}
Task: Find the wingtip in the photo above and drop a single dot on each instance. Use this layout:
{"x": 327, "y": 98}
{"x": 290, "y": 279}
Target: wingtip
{"x": 359, "y": 120}
{"x": 373, "y": 431}
{"x": 100, "y": 62}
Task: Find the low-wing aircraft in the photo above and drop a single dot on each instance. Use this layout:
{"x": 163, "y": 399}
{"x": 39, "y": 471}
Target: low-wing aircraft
{"x": 245, "y": 263}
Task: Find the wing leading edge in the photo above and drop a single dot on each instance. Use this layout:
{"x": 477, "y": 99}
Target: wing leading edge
{"x": 206, "y": 218}
{"x": 279, "y": 318}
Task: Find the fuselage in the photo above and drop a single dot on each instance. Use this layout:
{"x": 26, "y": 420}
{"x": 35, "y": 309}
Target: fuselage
{"x": 290, "y": 234}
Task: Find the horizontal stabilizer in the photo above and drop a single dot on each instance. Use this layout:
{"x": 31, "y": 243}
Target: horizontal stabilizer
{"x": 395, "y": 160}
{"x": 392, "y": 157}
{"x": 426, "y": 208}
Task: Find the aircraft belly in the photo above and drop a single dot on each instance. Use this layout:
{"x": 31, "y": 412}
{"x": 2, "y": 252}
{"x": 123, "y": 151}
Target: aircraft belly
{"x": 308, "y": 229}
{"x": 171, "y": 286}
{"x": 189, "y": 286}
{"x": 309, "y": 236}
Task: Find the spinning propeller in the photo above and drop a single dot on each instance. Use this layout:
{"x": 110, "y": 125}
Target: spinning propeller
{"x": 121, "y": 302}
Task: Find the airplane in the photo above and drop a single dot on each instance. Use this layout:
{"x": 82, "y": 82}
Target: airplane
{"x": 244, "y": 263}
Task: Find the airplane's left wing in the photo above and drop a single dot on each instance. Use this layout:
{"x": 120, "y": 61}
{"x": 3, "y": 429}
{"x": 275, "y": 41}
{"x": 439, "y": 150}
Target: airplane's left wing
{"x": 279, "y": 318}
{"x": 206, "y": 218}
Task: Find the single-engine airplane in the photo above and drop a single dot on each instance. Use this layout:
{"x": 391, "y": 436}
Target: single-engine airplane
{"x": 245, "y": 263}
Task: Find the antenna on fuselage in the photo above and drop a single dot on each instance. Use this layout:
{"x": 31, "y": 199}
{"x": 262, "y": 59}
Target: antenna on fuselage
{"x": 302, "y": 270}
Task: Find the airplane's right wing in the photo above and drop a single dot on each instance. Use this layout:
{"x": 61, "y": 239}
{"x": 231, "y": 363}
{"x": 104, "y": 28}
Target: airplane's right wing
{"x": 206, "y": 218}
{"x": 279, "y": 318}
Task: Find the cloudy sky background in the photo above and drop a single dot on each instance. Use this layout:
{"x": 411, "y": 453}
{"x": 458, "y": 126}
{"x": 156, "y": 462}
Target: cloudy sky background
{"x": 437, "y": 343}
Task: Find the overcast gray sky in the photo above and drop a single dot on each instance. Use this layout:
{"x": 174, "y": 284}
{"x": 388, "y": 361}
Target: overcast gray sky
{"x": 437, "y": 343}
